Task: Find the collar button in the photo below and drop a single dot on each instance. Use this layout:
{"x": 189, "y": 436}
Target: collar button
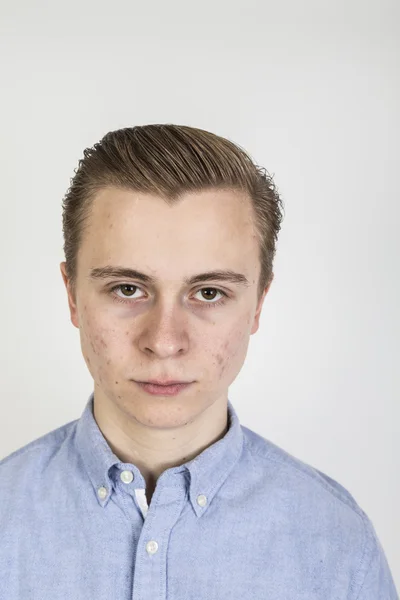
{"x": 202, "y": 500}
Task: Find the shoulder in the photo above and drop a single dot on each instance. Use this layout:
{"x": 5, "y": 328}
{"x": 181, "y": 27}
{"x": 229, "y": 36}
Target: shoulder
{"x": 288, "y": 469}
{"x": 321, "y": 508}
{"x": 48, "y": 440}
{"x": 28, "y": 463}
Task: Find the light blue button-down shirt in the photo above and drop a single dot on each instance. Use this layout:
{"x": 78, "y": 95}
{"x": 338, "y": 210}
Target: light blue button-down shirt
{"x": 243, "y": 520}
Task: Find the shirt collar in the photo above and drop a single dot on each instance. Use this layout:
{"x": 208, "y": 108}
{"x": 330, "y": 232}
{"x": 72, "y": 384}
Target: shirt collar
{"x": 208, "y": 470}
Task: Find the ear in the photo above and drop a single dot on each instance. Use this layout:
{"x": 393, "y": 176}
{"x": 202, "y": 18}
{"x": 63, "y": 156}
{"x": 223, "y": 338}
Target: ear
{"x": 256, "y": 322}
{"x": 71, "y": 300}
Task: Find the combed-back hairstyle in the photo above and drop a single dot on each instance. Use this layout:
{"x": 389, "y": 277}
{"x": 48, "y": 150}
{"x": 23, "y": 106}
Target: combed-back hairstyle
{"x": 170, "y": 160}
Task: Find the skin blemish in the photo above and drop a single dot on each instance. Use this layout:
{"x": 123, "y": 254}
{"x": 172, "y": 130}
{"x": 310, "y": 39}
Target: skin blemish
{"x": 222, "y": 370}
{"x": 219, "y": 359}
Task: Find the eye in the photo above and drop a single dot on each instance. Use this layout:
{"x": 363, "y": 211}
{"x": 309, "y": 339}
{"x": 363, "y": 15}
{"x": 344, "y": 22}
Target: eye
{"x": 213, "y": 291}
{"x": 130, "y": 288}
{"x": 124, "y": 286}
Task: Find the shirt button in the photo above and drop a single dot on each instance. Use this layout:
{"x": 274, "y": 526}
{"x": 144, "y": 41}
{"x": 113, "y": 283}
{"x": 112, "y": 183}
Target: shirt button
{"x": 202, "y": 500}
{"x": 126, "y": 476}
{"x": 102, "y": 492}
{"x": 152, "y": 547}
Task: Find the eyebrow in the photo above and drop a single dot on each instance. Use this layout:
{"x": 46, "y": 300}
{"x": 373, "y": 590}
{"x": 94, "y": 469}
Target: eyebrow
{"x": 124, "y": 272}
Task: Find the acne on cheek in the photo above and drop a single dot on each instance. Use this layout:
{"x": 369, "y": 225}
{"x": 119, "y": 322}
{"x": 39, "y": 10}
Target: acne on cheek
{"x": 220, "y": 359}
{"x": 222, "y": 362}
{"x": 99, "y": 373}
{"x": 100, "y": 348}
{"x": 95, "y": 342}
{"x": 233, "y": 346}
{"x": 94, "y": 336}
{"x": 94, "y": 346}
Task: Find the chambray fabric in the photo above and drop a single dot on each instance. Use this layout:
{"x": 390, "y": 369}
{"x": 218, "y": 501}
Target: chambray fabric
{"x": 243, "y": 520}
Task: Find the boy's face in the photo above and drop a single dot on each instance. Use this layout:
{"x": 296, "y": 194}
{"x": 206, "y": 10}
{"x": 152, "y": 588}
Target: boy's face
{"x": 169, "y": 329}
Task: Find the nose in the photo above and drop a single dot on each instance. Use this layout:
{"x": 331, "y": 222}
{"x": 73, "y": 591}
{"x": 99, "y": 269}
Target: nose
{"x": 164, "y": 332}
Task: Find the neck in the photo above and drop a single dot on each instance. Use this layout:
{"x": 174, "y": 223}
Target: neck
{"x": 178, "y": 438}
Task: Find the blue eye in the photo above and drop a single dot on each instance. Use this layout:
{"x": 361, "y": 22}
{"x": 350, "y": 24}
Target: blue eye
{"x": 128, "y": 300}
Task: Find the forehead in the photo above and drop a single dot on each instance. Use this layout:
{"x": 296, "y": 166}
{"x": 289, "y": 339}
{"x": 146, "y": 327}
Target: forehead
{"x": 126, "y": 227}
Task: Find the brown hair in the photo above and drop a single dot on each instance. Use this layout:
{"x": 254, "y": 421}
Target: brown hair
{"x": 170, "y": 160}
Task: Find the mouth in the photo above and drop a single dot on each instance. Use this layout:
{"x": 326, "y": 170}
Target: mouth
{"x": 165, "y": 382}
{"x": 169, "y": 389}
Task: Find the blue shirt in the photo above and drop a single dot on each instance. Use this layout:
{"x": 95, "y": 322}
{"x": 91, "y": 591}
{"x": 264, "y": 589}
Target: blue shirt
{"x": 243, "y": 520}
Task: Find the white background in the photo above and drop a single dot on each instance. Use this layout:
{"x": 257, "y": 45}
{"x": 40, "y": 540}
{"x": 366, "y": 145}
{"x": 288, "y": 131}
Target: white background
{"x": 311, "y": 90}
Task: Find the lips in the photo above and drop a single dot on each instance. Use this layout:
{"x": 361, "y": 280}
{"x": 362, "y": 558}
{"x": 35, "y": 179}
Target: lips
{"x": 163, "y": 390}
{"x": 165, "y": 382}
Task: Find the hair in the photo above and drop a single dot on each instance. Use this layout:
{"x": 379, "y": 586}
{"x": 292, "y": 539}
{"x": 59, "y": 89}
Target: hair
{"x": 170, "y": 160}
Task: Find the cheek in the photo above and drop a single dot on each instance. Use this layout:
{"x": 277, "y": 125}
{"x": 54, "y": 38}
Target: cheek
{"x": 94, "y": 338}
{"x": 97, "y": 343}
{"x": 229, "y": 356}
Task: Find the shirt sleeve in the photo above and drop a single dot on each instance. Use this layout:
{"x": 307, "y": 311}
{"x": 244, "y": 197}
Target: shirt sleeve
{"x": 375, "y": 580}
